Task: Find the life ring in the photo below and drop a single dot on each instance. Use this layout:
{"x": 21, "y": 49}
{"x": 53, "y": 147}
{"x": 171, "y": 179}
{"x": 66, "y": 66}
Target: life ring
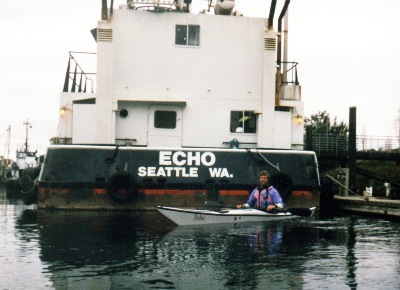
{"x": 122, "y": 187}
{"x": 283, "y": 184}
{"x": 28, "y": 186}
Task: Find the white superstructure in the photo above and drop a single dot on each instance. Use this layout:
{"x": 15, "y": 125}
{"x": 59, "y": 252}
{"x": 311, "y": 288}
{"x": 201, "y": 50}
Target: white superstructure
{"x": 184, "y": 80}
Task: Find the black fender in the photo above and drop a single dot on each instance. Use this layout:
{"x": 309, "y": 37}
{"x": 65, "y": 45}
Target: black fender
{"x": 13, "y": 187}
{"x": 283, "y": 184}
{"x": 28, "y": 185}
{"x": 122, "y": 187}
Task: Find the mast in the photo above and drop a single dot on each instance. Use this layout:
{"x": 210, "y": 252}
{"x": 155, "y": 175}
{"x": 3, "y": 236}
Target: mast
{"x": 7, "y": 145}
{"x": 398, "y": 123}
{"x": 398, "y": 126}
{"x": 8, "y": 142}
{"x": 26, "y": 134}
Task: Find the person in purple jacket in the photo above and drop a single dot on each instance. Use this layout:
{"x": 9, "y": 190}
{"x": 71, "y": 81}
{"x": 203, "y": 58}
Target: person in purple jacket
{"x": 264, "y": 196}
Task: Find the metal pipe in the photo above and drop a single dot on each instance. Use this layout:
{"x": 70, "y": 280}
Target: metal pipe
{"x": 285, "y": 42}
{"x": 278, "y": 61}
{"x": 111, "y": 8}
{"x": 279, "y": 52}
{"x": 104, "y": 12}
{"x": 271, "y": 15}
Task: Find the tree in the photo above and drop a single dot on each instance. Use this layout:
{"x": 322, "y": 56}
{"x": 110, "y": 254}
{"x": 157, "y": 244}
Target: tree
{"x": 321, "y": 123}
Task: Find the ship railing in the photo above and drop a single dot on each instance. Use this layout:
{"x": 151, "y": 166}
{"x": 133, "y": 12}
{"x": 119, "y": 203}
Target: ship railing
{"x": 235, "y": 144}
{"x": 337, "y": 144}
{"x": 334, "y": 143}
{"x": 60, "y": 141}
{"x": 125, "y": 142}
{"x": 170, "y": 5}
{"x": 76, "y": 79}
{"x": 289, "y": 76}
{"x": 378, "y": 143}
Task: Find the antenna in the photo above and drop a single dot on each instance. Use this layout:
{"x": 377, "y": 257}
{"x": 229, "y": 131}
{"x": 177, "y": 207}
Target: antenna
{"x": 398, "y": 125}
{"x": 7, "y": 145}
{"x": 26, "y": 134}
{"x": 398, "y": 121}
{"x": 8, "y": 141}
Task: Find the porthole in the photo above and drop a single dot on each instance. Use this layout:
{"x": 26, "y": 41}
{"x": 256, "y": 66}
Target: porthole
{"x": 123, "y": 113}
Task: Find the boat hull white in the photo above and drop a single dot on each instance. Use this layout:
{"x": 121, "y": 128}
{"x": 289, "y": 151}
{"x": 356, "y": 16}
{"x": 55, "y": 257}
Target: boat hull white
{"x": 185, "y": 217}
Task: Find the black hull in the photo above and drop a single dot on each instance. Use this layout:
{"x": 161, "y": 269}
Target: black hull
{"x": 110, "y": 177}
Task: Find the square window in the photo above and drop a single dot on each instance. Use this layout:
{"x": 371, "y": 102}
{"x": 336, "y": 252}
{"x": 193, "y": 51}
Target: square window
{"x": 187, "y": 35}
{"x": 243, "y": 122}
{"x": 165, "y": 119}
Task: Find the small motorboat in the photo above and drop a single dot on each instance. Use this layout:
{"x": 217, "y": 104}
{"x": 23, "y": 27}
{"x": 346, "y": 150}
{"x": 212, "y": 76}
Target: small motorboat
{"x": 184, "y": 216}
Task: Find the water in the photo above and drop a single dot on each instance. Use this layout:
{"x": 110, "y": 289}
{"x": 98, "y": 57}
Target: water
{"x": 113, "y": 250}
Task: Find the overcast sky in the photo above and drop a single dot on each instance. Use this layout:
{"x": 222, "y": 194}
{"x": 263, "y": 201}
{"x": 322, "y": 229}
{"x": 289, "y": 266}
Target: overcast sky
{"x": 348, "y": 54}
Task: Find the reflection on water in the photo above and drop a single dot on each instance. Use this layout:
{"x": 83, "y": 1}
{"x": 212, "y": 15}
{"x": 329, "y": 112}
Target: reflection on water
{"x": 123, "y": 250}
{"x": 244, "y": 256}
{"x": 97, "y": 249}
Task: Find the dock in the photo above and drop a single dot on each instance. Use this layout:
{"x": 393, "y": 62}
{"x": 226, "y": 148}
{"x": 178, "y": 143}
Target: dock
{"x": 338, "y": 199}
{"x": 369, "y": 206}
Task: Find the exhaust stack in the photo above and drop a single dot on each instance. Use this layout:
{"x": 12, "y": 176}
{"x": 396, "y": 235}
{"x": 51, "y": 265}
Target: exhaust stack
{"x": 279, "y": 53}
{"x": 271, "y": 15}
{"x": 104, "y": 13}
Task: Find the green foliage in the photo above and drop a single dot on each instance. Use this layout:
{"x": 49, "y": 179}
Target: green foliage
{"x": 321, "y": 123}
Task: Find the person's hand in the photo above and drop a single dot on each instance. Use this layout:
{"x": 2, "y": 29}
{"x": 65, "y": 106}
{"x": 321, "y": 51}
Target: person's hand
{"x": 271, "y": 207}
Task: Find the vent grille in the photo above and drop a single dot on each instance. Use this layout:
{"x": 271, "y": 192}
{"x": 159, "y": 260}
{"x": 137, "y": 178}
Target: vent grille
{"x": 270, "y": 43}
{"x": 104, "y": 34}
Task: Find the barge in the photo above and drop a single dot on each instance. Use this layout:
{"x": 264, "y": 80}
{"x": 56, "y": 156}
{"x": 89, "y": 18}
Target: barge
{"x": 187, "y": 107}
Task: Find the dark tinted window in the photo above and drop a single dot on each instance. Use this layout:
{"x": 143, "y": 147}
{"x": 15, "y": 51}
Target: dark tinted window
{"x": 165, "y": 119}
{"x": 181, "y": 34}
{"x": 194, "y": 35}
{"x": 187, "y": 35}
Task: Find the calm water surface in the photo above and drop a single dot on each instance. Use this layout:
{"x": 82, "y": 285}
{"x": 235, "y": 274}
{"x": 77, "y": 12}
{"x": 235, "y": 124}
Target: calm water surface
{"x": 103, "y": 250}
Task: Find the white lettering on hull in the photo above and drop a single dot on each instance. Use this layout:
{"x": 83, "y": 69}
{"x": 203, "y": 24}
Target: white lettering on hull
{"x": 181, "y": 158}
{"x": 176, "y": 164}
{"x": 168, "y": 171}
{"x": 219, "y": 172}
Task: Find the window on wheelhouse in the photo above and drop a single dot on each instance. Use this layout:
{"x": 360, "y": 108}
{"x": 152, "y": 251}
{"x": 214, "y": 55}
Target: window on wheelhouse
{"x": 243, "y": 122}
{"x": 187, "y": 35}
{"x": 165, "y": 119}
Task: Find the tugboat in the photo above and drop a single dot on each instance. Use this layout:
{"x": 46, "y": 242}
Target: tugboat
{"x": 24, "y": 171}
{"x": 187, "y": 108}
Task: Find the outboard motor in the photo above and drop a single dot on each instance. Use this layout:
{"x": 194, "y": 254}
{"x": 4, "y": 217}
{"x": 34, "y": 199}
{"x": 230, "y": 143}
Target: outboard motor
{"x": 224, "y": 7}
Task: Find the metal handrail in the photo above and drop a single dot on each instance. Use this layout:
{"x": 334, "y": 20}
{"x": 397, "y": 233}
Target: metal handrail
{"x": 339, "y": 143}
{"x": 77, "y": 71}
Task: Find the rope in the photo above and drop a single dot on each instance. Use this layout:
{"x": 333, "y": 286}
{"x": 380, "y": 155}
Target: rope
{"x": 266, "y": 160}
{"x": 348, "y": 189}
{"x": 30, "y": 190}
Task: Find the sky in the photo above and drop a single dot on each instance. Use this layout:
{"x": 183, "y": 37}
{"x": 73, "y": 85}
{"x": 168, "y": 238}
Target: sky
{"x": 348, "y": 55}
